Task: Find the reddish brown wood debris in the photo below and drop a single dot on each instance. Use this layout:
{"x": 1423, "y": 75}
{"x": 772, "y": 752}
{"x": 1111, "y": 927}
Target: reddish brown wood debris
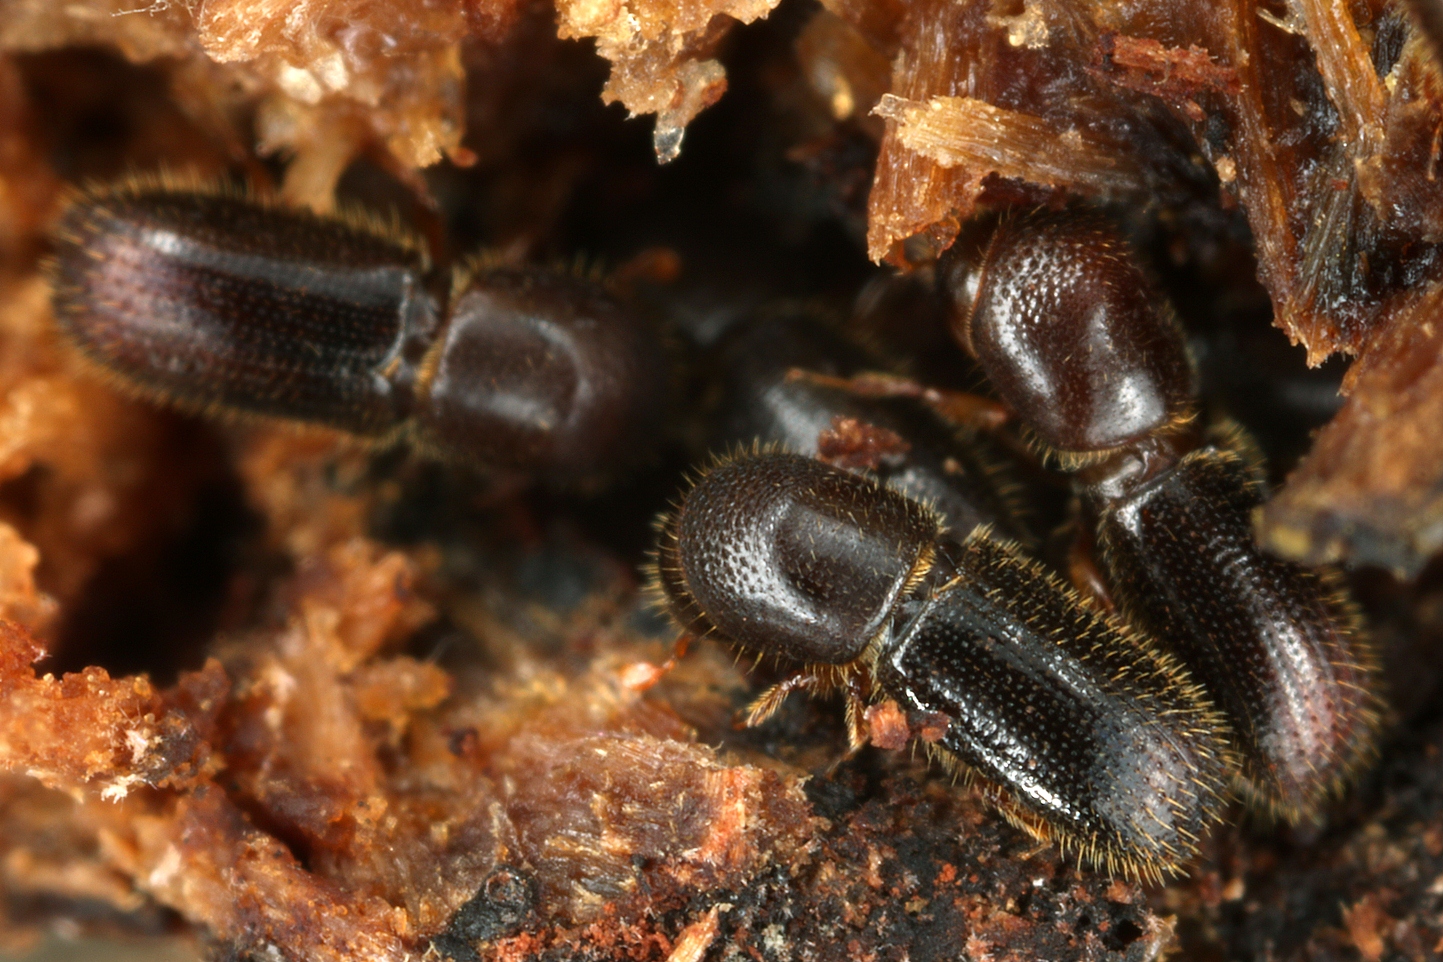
{"x": 1173, "y": 74}
{"x": 855, "y": 444}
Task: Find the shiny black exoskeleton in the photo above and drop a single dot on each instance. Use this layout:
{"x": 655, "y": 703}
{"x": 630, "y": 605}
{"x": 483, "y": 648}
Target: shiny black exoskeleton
{"x": 761, "y": 399}
{"x": 1070, "y": 333}
{"x": 1087, "y": 734}
{"x": 217, "y": 301}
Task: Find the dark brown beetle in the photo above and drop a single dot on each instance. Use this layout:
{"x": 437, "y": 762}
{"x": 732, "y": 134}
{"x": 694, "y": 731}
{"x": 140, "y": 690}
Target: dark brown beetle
{"x": 217, "y": 301}
{"x": 759, "y": 398}
{"x": 1084, "y": 732}
{"x": 1072, "y": 336}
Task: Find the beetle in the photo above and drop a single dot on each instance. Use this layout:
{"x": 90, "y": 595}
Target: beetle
{"x": 216, "y": 300}
{"x": 1082, "y": 731}
{"x": 758, "y": 399}
{"x": 1076, "y": 341}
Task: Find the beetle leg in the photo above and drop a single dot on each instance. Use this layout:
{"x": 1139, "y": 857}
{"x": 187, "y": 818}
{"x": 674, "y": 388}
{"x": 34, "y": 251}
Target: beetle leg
{"x": 856, "y": 693}
{"x": 769, "y": 701}
{"x": 959, "y": 407}
{"x": 1083, "y": 569}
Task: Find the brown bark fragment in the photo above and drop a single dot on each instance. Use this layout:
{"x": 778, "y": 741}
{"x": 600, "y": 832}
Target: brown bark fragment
{"x": 1173, "y": 74}
{"x": 1328, "y": 224}
{"x": 98, "y": 457}
{"x": 583, "y": 820}
{"x": 324, "y": 78}
{"x": 1348, "y": 73}
{"x": 393, "y": 690}
{"x": 964, "y": 132}
{"x": 931, "y": 727}
{"x": 696, "y": 938}
{"x": 1403, "y": 177}
{"x": 887, "y": 725}
{"x": 105, "y": 736}
{"x": 51, "y": 855}
{"x": 856, "y": 444}
{"x": 912, "y": 194}
{"x": 106, "y": 740}
{"x": 877, "y": 21}
{"x": 1366, "y": 923}
{"x": 842, "y": 67}
{"x": 1007, "y": 103}
{"x": 28, "y": 186}
{"x": 204, "y": 859}
{"x": 395, "y": 68}
{"x": 1371, "y": 489}
{"x": 660, "y": 52}
{"x": 20, "y": 600}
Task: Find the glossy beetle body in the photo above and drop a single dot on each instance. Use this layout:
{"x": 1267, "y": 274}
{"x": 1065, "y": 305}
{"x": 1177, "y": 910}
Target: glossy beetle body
{"x": 216, "y": 301}
{"x": 1069, "y": 332}
{"x": 779, "y": 552}
{"x": 1087, "y": 734}
{"x": 222, "y": 302}
{"x": 1093, "y": 738}
{"x": 1075, "y": 341}
{"x": 542, "y": 372}
{"x": 1276, "y": 642}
